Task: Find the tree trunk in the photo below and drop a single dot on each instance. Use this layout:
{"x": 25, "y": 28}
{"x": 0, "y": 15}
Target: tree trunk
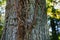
{"x": 29, "y": 16}
{"x": 32, "y": 20}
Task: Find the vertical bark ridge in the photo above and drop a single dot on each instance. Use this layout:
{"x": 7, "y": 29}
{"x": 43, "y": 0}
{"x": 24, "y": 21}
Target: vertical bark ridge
{"x": 40, "y": 31}
{"x": 24, "y": 17}
{"x": 10, "y": 21}
{"x": 21, "y": 19}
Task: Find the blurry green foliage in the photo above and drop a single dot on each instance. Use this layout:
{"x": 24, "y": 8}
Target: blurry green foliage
{"x": 51, "y": 11}
{"x": 2, "y": 2}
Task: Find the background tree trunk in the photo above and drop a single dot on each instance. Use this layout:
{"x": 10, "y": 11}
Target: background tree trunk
{"x": 29, "y": 16}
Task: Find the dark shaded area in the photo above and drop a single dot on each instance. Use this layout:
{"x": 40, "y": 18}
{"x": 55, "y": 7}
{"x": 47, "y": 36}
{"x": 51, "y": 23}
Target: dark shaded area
{"x": 54, "y": 32}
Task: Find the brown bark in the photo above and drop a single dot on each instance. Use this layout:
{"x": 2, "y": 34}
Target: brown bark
{"x": 30, "y": 18}
{"x": 23, "y": 9}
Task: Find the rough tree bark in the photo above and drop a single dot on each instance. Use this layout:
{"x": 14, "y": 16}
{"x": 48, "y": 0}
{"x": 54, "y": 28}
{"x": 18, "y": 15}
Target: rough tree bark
{"x": 33, "y": 19}
{"x": 10, "y": 29}
{"x": 26, "y": 20}
{"x": 40, "y": 31}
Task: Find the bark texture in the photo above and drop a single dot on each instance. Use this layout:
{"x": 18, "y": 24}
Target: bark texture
{"x": 10, "y": 29}
{"x": 26, "y": 20}
{"x": 32, "y": 20}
